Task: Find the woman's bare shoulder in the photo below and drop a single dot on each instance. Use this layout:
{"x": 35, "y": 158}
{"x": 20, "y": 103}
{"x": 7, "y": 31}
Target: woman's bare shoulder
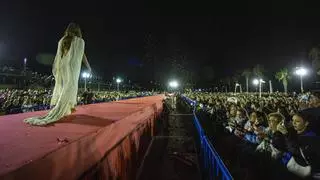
{"x": 79, "y": 39}
{"x": 61, "y": 40}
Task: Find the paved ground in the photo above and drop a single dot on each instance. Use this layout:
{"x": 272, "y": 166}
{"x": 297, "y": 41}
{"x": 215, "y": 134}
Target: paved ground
{"x": 172, "y": 154}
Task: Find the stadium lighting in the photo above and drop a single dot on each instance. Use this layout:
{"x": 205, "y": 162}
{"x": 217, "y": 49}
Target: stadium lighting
{"x": 118, "y": 81}
{"x": 255, "y": 82}
{"x": 173, "y": 84}
{"x": 300, "y": 71}
{"x": 24, "y": 66}
{"x": 259, "y": 82}
{"x": 85, "y": 76}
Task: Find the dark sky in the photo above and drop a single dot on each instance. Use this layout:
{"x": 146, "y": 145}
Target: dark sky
{"x": 120, "y": 35}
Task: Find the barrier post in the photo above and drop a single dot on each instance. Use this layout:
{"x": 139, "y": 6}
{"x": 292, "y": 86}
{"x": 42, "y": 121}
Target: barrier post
{"x": 212, "y": 163}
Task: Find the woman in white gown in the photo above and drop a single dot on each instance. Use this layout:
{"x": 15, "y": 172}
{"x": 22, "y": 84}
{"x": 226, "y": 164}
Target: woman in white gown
{"x": 66, "y": 71}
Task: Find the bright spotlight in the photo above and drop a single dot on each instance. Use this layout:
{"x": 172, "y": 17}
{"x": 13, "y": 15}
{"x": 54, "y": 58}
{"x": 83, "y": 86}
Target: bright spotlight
{"x": 86, "y": 75}
{"x": 301, "y": 71}
{"x": 255, "y": 82}
{"x": 173, "y": 84}
{"x": 118, "y": 80}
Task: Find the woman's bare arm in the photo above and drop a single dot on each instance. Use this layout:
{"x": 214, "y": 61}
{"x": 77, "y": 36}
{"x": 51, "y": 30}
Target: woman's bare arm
{"x": 85, "y": 61}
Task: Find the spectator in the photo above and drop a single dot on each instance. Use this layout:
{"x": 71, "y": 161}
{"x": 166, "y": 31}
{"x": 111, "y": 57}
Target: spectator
{"x": 17, "y": 101}
{"x": 287, "y": 134}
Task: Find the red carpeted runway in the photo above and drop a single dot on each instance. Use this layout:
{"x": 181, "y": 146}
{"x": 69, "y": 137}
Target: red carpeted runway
{"x": 75, "y": 144}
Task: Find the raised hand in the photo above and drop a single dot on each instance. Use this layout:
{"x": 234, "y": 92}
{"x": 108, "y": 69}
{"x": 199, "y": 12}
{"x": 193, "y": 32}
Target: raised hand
{"x": 282, "y": 129}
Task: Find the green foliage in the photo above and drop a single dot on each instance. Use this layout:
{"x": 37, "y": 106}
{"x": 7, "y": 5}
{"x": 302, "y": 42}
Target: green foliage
{"x": 314, "y": 56}
{"x": 283, "y": 75}
{"x": 258, "y": 71}
{"x": 246, "y": 73}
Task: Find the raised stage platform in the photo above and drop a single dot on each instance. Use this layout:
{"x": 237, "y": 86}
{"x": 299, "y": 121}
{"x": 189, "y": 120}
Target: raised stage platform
{"x": 97, "y": 140}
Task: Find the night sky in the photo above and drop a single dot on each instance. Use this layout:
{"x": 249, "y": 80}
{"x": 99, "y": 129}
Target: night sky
{"x": 142, "y": 41}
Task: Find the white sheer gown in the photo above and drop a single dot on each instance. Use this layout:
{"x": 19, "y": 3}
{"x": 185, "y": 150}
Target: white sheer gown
{"x": 66, "y": 71}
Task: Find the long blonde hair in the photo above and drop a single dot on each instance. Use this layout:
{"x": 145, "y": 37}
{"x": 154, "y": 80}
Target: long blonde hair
{"x": 72, "y": 30}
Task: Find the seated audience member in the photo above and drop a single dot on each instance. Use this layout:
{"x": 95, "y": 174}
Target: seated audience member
{"x": 238, "y": 121}
{"x": 26, "y": 105}
{"x": 258, "y": 130}
{"x": 300, "y": 152}
{"x": 88, "y": 96}
{"x": 274, "y": 119}
{"x": 249, "y": 124}
{"x": 240, "y": 118}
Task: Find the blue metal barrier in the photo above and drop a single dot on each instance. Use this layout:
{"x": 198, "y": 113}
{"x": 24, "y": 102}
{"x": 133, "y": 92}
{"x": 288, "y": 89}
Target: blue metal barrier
{"x": 214, "y": 167}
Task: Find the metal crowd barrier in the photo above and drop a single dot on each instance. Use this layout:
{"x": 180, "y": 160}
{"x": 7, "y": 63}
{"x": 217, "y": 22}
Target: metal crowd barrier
{"x": 214, "y": 167}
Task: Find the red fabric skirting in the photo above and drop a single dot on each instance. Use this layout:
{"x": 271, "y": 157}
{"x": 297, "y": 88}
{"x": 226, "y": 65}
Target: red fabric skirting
{"x": 104, "y": 141}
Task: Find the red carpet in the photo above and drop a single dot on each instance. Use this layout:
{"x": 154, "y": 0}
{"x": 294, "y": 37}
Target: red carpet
{"x": 70, "y": 147}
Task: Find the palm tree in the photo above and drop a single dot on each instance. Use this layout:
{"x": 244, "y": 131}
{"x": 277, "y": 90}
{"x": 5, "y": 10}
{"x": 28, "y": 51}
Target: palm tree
{"x": 314, "y": 56}
{"x": 246, "y": 73}
{"x": 283, "y": 75}
{"x": 258, "y": 71}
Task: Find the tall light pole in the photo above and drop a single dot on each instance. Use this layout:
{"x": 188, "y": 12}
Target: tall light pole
{"x": 255, "y": 82}
{"x": 25, "y": 71}
{"x": 85, "y": 76}
{"x": 173, "y": 85}
{"x": 118, "y": 81}
{"x": 260, "y": 86}
{"x": 270, "y": 87}
{"x": 259, "y": 82}
{"x": 300, "y": 71}
{"x": 25, "y": 66}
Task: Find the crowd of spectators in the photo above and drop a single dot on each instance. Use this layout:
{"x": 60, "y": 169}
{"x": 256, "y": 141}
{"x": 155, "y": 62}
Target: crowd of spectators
{"x": 37, "y": 79}
{"x": 14, "y": 101}
{"x": 264, "y": 134}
